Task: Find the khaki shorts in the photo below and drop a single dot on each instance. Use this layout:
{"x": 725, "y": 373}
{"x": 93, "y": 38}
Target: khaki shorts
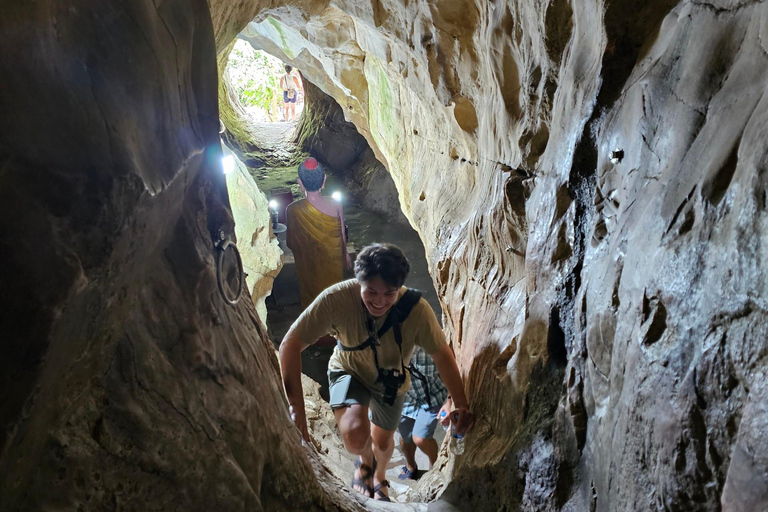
{"x": 345, "y": 390}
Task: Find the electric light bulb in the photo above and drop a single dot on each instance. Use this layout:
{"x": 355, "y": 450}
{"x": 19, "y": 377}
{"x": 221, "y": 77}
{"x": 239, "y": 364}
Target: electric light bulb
{"x": 337, "y": 196}
{"x": 228, "y": 164}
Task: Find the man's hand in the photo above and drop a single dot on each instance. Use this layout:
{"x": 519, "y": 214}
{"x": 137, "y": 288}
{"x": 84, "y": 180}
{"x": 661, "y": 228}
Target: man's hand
{"x": 290, "y": 364}
{"x": 462, "y": 419}
{"x": 300, "y": 420}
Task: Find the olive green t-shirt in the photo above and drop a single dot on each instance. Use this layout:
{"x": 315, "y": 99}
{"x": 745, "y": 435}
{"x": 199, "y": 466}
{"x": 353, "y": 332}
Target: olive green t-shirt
{"x": 339, "y": 311}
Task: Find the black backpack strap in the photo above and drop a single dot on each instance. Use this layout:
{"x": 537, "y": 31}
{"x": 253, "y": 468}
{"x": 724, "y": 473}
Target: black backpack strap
{"x": 417, "y": 374}
{"x": 400, "y": 311}
{"x": 364, "y": 345}
{"x": 398, "y": 314}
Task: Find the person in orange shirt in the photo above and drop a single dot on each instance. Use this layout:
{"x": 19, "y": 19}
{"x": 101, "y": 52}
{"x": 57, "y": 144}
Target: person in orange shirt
{"x": 316, "y": 234}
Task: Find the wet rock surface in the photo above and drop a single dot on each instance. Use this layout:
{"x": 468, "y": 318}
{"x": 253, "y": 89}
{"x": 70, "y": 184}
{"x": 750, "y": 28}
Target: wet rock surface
{"x": 608, "y": 309}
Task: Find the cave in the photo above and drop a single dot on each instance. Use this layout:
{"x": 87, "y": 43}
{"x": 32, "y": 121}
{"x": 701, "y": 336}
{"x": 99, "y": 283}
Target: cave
{"x": 588, "y": 182}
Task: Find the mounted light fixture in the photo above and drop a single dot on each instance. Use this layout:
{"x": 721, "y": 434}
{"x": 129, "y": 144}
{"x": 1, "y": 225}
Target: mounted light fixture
{"x": 227, "y": 164}
{"x": 337, "y": 196}
{"x": 274, "y": 206}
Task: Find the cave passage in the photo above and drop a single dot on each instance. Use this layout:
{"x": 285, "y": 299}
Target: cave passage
{"x": 284, "y": 305}
{"x": 348, "y": 181}
{"x": 588, "y": 180}
{"x": 259, "y": 80}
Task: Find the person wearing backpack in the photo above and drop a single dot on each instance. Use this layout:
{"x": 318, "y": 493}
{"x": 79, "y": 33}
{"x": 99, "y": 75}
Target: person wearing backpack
{"x": 377, "y": 323}
{"x": 290, "y": 85}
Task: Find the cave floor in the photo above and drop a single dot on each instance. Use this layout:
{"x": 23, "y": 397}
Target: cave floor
{"x": 365, "y": 227}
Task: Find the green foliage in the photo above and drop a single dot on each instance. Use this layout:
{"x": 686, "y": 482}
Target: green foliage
{"x": 255, "y": 75}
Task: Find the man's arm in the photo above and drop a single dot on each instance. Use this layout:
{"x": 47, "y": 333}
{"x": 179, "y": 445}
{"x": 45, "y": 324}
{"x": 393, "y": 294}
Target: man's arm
{"x": 346, "y": 260}
{"x": 449, "y": 372}
{"x": 290, "y": 363}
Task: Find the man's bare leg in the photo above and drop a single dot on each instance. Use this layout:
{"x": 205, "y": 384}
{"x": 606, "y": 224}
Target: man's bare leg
{"x": 429, "y": 447}
{"x": 409, "y": 451}
{"x": 383, "y": 446}
{"x": 356, "y": 431}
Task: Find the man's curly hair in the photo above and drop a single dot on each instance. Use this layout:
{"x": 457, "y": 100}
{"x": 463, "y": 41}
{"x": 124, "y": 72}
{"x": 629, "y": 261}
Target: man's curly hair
{"x": 386, "y": 261}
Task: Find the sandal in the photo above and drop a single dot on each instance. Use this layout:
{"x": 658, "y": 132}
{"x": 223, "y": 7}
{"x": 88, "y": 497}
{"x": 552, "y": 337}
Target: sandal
{"x": 366, "y": 473}
{"x": 407, "y": 474}
{"x": 378, "y": 495}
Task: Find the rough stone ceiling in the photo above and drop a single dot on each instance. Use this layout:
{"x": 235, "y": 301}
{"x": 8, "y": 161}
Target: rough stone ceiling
{"x": 609, "y": 314}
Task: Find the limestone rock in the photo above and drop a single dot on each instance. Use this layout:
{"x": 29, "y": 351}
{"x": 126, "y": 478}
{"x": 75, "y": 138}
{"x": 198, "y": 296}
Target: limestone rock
{"x": 372, "y": 184}
{"x": 325, "y": 133}
{"x": 127, "y": 382}
{"x": 262, "y": 257}
{"x": 607, "y": 307}
{"x": 633, "y": 275}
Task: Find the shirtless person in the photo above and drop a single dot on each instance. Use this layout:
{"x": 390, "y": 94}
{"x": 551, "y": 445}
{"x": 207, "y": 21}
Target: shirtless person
{"x": 316, "y": 234}
{"x": 291, "y": 87}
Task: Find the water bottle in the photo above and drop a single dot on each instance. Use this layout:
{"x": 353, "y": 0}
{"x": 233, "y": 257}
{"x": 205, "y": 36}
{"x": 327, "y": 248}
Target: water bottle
{"x": 445, "y": 427}
{"x": 456, "y": 438}
{"x": 456, "y": 444}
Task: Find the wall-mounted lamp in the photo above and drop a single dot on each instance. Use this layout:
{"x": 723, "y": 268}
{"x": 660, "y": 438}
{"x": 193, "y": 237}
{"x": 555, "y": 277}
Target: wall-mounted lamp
{"x": 274, "y": 206}
{"x": 337, "y": 196}
{"x": 227, "y": 164}
{"x": 274, "y": 210}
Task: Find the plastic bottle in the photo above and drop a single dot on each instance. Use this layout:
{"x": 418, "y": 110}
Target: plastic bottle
{"x": 456, "y": 444}
{"x": 457, "y": 440}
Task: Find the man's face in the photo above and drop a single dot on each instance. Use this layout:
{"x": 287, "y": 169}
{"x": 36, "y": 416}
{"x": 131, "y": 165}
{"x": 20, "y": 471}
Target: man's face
{"x": 378, "y": 296}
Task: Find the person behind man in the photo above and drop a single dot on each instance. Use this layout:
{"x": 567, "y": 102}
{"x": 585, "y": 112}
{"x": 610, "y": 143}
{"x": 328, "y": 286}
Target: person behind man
{"x": 425, "y": 399}
{"x": 290, "y": 85}
{"x": 369, "y": 315}
{"x": 316, "y": 234}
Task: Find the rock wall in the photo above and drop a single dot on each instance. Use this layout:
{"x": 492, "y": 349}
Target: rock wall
{"x": 608, "y": 310}
{"x": 633, "y": 281}
{"x": 127, "y": 382}
{"x": 258, "y": 246}
{"x": 325, "y": 134}
{"x": 374, "y": 188}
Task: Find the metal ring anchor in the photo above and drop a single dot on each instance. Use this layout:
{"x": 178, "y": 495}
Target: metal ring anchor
{"x": 223, "y": 245}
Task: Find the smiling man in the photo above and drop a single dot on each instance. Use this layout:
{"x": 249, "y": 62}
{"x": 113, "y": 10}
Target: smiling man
{"x": 377, "y": 322}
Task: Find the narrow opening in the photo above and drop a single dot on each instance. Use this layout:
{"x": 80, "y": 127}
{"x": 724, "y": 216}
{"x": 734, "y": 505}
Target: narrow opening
{"x": 558, "y": 354}
{"x": 267, "y": 89}
{"x": 262, "y": 180}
